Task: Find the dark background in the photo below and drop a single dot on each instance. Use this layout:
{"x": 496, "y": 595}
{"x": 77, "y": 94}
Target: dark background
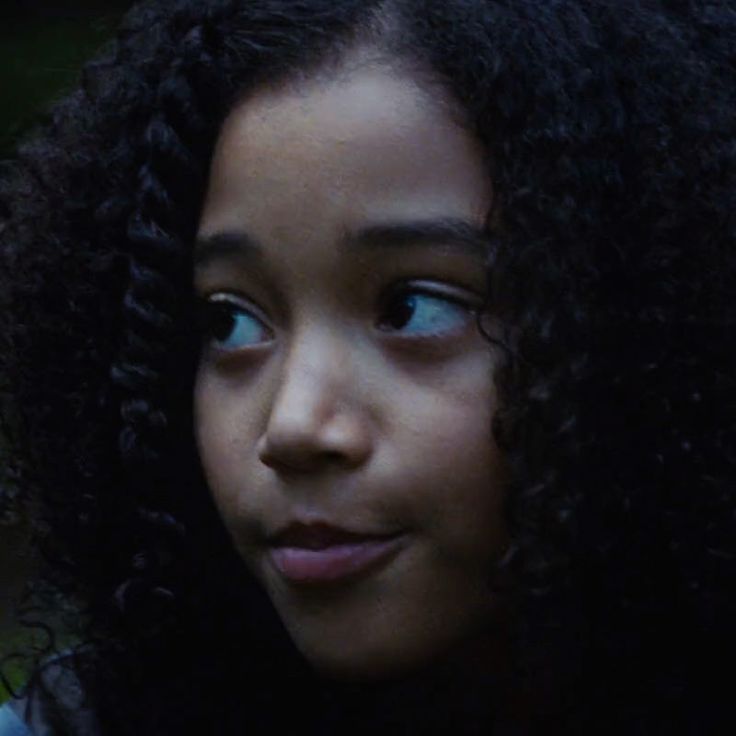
{"x": 43, "y": 46}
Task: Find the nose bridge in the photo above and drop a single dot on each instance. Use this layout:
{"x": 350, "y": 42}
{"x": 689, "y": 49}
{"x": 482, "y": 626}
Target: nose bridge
{"x": 316, "y": 411}
{"x": 310, "y": 382}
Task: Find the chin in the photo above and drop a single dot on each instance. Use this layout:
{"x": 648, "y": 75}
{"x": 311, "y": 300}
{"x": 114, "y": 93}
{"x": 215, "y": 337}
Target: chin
{"x": 350, "y": 664}
{"x": 350, "y": 671}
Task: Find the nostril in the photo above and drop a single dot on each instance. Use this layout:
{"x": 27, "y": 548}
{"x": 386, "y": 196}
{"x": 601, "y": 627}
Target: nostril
{"x": 298, "y": 456}
{"x": 281, "y": 453}
{"x": 281, "y": 460}
{"x": 312, "y": 437}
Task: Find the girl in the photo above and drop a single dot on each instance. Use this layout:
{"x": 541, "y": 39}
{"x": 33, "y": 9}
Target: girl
{"x": 370, "y": 365}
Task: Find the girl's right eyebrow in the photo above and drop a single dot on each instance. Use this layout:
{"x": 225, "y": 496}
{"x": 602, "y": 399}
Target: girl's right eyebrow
{"x": 445, "y": 232}
{"x": 225, "y": 245}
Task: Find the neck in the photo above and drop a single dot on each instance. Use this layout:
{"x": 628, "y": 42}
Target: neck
{"x": 466, "y": 686}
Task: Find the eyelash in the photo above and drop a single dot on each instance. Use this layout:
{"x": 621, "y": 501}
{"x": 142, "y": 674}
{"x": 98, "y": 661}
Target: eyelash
{"x": 222, "y": 306}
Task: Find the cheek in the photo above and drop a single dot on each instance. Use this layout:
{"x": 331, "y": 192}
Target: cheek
{"x": 208, "y": 426}
{"x": 455, "y": 469}
{"x": 471, "y": 497}
{"x": 216, "y": 431}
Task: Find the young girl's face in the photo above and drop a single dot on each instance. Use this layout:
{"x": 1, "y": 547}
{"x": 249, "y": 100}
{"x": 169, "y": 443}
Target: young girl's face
{"x": 344, "y": 396}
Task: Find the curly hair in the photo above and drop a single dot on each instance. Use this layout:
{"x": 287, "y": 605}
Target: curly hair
{"x": 611, "y": 142}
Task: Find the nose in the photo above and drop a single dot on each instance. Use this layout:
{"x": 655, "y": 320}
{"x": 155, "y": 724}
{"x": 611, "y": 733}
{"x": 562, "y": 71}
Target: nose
{"x": 317, "y": 418}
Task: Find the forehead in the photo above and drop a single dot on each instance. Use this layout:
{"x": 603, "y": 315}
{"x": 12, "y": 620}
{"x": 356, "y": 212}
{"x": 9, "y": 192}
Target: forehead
{"x": 365, "y": 143}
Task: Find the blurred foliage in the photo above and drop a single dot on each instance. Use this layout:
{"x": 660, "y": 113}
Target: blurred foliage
{"x": 21, "y": 644}
{"x": 43, "y": 46}
{"x": 14, "y": 568}
{"x": 14, "y": 673}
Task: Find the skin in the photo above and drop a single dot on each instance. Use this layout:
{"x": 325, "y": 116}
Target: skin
{"x": 324, "y": 402}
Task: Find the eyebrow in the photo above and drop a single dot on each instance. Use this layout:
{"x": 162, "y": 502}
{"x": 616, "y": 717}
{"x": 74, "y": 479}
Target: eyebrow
{"x": 448, "y": 232}
{"x": 224, "y": 245}
{"x": 451, "y": 232}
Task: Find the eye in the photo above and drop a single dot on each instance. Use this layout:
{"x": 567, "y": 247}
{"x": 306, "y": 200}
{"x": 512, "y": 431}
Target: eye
{"x": 229, "y": 325}
{"x": 420, "y": 312}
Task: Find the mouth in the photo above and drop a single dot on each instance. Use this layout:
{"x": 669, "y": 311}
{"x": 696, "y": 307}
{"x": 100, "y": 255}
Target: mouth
{"x": 314, "y": 554}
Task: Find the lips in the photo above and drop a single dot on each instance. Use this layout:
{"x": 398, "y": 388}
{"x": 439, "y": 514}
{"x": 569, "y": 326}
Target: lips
{"x": 320, "y": 553}
{"x": 318, "y": 536}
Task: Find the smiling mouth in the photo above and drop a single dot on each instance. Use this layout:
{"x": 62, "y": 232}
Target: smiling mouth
{"x": 337, "y": 561}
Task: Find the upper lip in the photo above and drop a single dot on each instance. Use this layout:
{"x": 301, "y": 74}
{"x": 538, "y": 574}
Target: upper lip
{"x": 317, "y": 535}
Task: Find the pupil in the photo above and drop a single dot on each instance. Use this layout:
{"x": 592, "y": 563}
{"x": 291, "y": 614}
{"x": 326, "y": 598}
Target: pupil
{"x": 402, "y": 309}
{"x": 222, "y": 324}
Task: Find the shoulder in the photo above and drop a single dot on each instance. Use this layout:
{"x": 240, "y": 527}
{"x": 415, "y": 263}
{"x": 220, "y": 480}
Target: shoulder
{"x": 52, "y": 703}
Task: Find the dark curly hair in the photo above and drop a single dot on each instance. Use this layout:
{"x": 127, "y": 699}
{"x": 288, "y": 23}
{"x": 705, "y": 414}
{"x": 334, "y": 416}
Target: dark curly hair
{"x": 610, "y": 135}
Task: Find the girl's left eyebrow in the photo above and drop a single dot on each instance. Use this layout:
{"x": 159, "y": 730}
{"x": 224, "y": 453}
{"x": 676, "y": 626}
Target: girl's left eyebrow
{"x": 451, "y": 233}
{"x": 447, "y": 232}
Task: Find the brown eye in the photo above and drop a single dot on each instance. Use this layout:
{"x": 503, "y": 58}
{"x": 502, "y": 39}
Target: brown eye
{"x": 221, "y": 321}
{"x": 420, "y": 313}
{"x": 399, "y": 311}
{"x": 231, "y": 326}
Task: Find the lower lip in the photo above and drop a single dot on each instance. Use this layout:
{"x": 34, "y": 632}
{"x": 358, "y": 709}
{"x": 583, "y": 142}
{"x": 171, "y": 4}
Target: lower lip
{"x": 334, "y": 563}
